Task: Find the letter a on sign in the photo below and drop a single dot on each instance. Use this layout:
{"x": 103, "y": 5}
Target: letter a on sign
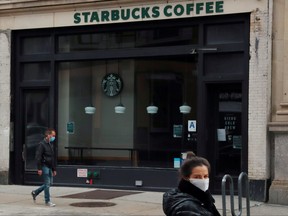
{"x": 192, "y": 125}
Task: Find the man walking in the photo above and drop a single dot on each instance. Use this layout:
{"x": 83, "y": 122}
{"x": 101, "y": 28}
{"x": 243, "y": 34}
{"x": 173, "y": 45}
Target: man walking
{"x": 46, "y": 165}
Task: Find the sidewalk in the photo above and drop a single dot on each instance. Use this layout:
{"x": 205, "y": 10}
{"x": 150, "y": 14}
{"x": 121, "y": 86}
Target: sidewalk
{"x": 17, "y": 200}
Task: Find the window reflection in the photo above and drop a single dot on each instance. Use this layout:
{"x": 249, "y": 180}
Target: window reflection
{"x": 80, "y": 86}
{"x": 36, "y": 45}
{"x": 128, "y": 39}
{"x": 35, "y": 71}
{"x": 36, "y": 121}
{"x": 224, "y": 33}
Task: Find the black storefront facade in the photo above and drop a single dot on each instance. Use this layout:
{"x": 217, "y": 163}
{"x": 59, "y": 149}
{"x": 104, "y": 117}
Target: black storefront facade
{"x": 199, "y": 61}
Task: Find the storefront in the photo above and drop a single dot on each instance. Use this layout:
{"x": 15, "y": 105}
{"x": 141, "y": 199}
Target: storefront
{"x": 94, "y": 73}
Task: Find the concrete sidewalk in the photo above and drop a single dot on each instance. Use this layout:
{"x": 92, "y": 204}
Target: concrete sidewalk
{"x": 17, "y": 200}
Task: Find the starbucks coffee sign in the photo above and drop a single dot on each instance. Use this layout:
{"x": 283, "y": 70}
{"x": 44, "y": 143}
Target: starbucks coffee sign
{"x": 153, "y": 12}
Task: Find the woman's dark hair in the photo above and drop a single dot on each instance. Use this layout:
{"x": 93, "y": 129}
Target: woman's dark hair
{"x": 190, "y": 164}
{"x": 190, "y": 154}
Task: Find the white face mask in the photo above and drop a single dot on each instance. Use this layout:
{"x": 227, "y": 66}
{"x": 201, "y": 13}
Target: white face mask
{"x": 202, "y": 184}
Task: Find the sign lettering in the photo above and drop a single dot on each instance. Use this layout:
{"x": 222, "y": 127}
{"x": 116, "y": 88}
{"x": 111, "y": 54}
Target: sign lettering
{"x": 148, "y": 13}
{"x": 192, "y": 125}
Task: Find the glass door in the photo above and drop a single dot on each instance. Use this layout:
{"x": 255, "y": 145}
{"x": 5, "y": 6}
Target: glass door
{"x": 225, "y": 131}
{"x": 36, "y": 120}
{"x": 229, "y": 133}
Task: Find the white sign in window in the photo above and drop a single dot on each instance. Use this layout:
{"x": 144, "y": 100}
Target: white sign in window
{"x": 82, "y": 173}
{"x": 192, "y": 125}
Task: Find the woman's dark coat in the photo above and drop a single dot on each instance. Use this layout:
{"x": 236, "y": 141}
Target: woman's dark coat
{"x": 188, "y": 200}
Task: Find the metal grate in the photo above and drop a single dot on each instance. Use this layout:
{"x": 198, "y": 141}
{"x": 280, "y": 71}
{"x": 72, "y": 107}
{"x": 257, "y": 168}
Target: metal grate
{"x": 92, "y": 204}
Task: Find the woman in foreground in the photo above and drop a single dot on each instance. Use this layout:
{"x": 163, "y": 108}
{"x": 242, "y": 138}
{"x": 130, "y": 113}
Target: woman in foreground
{"x": 192, "y": 197}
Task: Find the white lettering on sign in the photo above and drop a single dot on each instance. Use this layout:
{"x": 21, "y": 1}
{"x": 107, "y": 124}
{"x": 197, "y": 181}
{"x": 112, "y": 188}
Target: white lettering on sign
{"x": 192, "y": 125}
{"x": 82, "y": 173}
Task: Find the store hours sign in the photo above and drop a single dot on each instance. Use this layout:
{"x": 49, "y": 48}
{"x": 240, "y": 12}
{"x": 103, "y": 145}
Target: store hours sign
{"x": 153, "y": 12}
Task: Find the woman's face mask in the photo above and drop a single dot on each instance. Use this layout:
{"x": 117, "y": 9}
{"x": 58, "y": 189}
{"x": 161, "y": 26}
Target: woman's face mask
{"x": 200, "y": 177}
{"x": 202, "y": 184}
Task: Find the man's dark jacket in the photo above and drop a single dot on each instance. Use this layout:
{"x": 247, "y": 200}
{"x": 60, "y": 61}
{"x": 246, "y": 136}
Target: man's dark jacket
{"x": 45, "y": 155}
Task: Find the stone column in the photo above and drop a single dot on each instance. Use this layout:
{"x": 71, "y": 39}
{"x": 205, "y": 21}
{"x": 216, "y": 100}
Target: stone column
{"x": 5, "y": 105}
{"x": 278, "y": 127}
{"x": 278, "y": 192}
{"x": 280, "y": 61}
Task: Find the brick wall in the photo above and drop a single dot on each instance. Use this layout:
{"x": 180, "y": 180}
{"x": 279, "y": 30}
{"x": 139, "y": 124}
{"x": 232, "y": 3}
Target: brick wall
{"x": 259, "y": 94}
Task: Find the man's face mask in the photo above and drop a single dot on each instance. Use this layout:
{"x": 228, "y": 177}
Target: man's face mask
{"x": 52, "y": 139}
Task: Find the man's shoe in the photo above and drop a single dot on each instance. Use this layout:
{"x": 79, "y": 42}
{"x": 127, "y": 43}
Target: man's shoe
{"x": 33, "y": 195}
{"x": 50, "y": 204}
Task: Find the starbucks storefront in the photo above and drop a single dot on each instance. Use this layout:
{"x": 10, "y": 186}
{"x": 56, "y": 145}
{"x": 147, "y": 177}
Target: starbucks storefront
{"x": 113, "y": 85}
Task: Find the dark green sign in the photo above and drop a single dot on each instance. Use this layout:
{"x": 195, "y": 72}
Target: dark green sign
{"x": 177, "y": 131}
{"x": 149, "y": 12}
{"x": 70, "y": 127}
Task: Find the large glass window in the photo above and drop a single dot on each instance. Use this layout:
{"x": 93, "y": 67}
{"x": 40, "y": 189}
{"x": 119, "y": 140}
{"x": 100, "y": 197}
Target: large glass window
{"x": 167, "y": 83}
{"x": 224, "y": 33}
{"x": 36, "y": 71}
{"x": 36, "y": 45}
{"x": 134, "y": 138}
{"x": 103, "y": 137}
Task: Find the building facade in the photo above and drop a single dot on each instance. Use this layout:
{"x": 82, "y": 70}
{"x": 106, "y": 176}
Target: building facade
{"x": 69, "y": 65}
